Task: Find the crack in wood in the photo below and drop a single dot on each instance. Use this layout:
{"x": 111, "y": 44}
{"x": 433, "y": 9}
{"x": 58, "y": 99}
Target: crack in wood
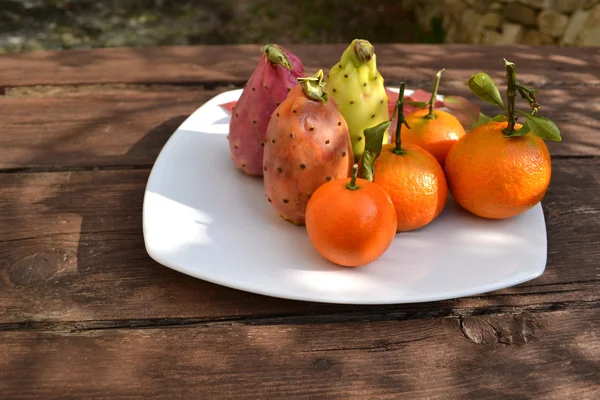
{"x": 52, "y": 90}
{"x": 551, "y": 214}
{"x": 513, "y": 294}
{"x": 558, "y": 283}
{"x": 92, "y": 88}
{"x": 518, "y": 330}
{"x": 303, "y": 319}
{"x": 75, "y": 242}
{"x": 384, "y": 346}
{"x": 72, "y": 168}
{"x": 574, "y": 156}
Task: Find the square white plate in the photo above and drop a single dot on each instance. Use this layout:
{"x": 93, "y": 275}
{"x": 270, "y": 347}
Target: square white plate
{"x": 205, "y": 219}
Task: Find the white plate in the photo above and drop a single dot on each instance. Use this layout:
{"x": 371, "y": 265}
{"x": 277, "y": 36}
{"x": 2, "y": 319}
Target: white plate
{"x": 204, "y": 218}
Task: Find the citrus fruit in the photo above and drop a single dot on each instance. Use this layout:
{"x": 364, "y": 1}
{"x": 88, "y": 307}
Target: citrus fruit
{"x": 414, "y": 181}
{"x": 350, "y": 221}
{"x": 437, "y": 134}
{"x": 435, "y": 131}
{"x": 495, "y": 176}
{"x": 411, "y": 176}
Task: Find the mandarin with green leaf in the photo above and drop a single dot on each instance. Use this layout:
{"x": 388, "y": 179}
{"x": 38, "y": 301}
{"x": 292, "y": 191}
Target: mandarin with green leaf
{"x": 436, "y": 131}
{"x": 496, "y": 177}
{"x": 411, "y": 176}
{"x": 501, "y": 168}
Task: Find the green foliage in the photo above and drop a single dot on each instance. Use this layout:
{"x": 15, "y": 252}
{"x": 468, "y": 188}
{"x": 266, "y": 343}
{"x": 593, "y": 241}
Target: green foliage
{"x": 542, "y": 127}
{"x": 373, "y": 146}
{"x": 483, "y": 86}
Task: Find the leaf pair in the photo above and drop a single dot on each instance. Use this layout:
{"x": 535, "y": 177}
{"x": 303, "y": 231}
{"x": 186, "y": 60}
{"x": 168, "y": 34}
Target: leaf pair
{"x": 483, "y": 86}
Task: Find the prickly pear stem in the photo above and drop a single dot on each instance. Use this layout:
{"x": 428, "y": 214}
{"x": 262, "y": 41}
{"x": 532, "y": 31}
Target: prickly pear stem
{"x": 364, "y": 50}
{"x": 436, "y": 85}
{"x": 352, "y": 184}
{"x": 276, "y": 55}
{"x": 511, "y": 94}
{"x": 401, "y": 120}
{"x": 314, "y": 87}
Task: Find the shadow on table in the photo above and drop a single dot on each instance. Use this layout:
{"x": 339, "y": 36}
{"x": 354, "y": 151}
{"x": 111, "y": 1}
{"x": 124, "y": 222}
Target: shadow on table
{"x": 115, "y": 279}
{"x": 110, "y": 239}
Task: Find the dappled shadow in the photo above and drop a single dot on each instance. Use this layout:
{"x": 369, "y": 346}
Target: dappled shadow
{"x": 111, "y": 277}
{"x": 143, "y": 150}
{"x": 533, "y": 64}
{"x": 524, "y": 348}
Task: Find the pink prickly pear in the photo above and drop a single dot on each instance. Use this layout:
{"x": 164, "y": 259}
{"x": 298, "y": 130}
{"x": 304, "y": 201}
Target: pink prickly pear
{"x": 268, "y": 86}
{"x": 307, "y": 145}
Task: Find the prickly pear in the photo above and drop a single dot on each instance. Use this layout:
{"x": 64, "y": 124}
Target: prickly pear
{"x": 307, "y": 145}
{"x": 268, "y": 86}
{"x": 359, "y": 91}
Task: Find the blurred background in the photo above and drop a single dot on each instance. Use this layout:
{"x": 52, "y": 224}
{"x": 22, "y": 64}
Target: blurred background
{"x": 30, "y": 25}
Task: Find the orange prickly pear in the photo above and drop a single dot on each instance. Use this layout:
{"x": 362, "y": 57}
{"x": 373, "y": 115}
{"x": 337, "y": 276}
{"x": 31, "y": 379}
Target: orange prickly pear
{"x": 307, "y": 145}
{"x": 268, "y": 86}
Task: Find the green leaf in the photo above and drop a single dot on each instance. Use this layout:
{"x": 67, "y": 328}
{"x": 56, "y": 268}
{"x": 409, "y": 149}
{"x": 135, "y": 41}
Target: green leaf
{"x": 373, "y": 146}
{"x": 483, "y": 119}
{"x": 499, "y": 118}
{"x": 482, "y": 85}
{"x": 543, "y": 127}
{"x": 525, "y": 129}
{"x": 418, "y": 104}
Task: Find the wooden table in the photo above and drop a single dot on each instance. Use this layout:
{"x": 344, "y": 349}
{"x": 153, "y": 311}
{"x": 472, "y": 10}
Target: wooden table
{"x": 85, "y": 313}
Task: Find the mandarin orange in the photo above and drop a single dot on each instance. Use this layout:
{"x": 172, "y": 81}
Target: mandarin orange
{"x": 437, "y": 134}
{"x": 410, "y": 175}
{"x": 415, "y": 182}
{"x": 350, "y": 221}
{"x": 435, "y": 131}
{"x": 495, "y": 176}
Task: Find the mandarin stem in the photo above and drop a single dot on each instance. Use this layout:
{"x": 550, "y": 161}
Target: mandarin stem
{"x": 436, "y": 85}
{"x": 352, "y": 184}
{"x": 511, "y": 94}
{"x": 401, "y": 120}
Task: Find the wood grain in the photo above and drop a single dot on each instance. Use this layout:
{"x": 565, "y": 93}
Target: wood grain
{"x": 553, "y": 355}
{"x": 85, "y": 313}
{"x": 235, "y": 63}
{"x": 120, "y": 126}
{"x": 71, "y": 250}
{"x": 102, "y": 127}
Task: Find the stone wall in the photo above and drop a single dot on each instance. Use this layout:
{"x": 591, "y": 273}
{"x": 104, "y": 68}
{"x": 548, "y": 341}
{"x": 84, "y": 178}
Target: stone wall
{"x": 534, "y": 22}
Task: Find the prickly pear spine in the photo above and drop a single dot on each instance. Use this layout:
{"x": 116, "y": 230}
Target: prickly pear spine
{"x": 268, "y": 86}
{"x": 359, "y": 91}
{"x": 307, "y": 145}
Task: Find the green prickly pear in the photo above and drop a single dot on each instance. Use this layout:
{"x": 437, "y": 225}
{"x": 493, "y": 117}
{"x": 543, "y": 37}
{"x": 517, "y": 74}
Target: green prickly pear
{"x": 307, "y": 145}
{"x": 359, "y": 91}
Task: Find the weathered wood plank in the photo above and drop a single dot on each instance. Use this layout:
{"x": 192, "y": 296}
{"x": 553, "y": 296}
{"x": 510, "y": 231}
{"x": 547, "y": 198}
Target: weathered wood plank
{"x": 118, "y": 126}
{"x": 71, "y": 249}
{"x": 553, "y": 355}
{"x": 219, "y": 64}
{"x": 129, "y": 125}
